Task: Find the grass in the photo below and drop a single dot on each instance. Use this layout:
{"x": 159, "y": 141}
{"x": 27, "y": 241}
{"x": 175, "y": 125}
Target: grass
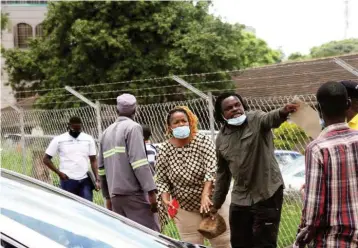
{"x": 290, "y": 217}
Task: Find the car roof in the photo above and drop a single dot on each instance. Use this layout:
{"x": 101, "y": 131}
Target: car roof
{"x": 84, "y": 218}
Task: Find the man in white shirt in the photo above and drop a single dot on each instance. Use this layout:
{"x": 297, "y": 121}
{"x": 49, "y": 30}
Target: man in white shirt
{"x": 75, "y": 148}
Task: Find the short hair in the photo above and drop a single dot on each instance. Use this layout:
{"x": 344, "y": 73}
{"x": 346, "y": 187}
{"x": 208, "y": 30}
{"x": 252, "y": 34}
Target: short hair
{"x": 146, "y": 132}
{"x": 75, "y": 120}
{"x": 333, "y": 99}
{"x": 218, "y": 110}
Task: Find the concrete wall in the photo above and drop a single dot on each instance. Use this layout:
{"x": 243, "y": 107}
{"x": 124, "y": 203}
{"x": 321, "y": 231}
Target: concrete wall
{"x": 32, "y": 14}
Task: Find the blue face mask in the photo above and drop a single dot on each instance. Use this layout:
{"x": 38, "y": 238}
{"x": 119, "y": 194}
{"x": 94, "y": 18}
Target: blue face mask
{"x": 182, "y": 132}
{"x": 237, "y": 121}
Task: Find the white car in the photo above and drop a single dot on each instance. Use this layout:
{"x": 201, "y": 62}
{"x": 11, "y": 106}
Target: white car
{"x": 38, "y": 215}
{"x": 285, "y": 157}
{"x": 294, "y": 174}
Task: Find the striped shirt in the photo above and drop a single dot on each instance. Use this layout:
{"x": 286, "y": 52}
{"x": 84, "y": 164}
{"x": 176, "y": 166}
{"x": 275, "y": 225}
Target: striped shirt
{"x": 151, "y": 153}
{"x": 331, "y": 199}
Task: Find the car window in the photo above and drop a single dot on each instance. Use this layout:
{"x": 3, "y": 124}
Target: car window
{"x": 68, "y": 222}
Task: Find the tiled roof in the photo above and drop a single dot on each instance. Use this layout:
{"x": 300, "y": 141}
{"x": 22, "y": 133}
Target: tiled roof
{"x": 295, "y": 78}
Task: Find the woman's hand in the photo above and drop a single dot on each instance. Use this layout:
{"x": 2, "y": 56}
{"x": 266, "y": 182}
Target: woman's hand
{"x": 205, "y": 204}
{"x": 167, "y": 203}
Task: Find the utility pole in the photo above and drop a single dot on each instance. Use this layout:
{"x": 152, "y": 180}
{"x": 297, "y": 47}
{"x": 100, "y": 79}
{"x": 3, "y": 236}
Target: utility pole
{"x": 346, "y": 18}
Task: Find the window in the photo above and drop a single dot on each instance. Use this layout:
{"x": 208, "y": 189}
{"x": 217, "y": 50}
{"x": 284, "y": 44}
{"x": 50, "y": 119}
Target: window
{"x": 24, "y": 33}
{"x": 39, "y": 31}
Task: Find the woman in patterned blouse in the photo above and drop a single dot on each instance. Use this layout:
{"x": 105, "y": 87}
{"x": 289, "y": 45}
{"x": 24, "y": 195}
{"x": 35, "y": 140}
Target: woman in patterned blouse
{"x": 186, "y": 168}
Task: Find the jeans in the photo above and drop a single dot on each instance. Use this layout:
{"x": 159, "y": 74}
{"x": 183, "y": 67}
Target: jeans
{"x": 82, "y": 188}
{"x": 257, "y": 225}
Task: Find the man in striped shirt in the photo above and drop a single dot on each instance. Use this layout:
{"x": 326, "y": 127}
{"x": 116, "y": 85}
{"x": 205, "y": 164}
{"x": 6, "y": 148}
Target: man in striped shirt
{"x": 330, "y": 213}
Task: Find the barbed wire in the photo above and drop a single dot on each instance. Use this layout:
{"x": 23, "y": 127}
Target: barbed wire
{"x": 178, "y": 85}
{"x": 291, "y": 64}
{"x": 184, "y": 92}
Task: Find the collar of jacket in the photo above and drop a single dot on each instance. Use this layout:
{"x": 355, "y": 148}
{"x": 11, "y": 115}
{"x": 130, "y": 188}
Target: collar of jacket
{"x": 123, "y": 118}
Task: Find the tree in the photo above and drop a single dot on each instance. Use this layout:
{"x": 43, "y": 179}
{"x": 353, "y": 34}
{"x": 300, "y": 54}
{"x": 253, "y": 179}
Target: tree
{"x": 290, "y": 137}
{"x": 4, "y": 22}
{"x": 95, "y": 42}
{"x": 297, "y": 56}
{"x": 329, "y": 49}
{"x": 335, "y": 48}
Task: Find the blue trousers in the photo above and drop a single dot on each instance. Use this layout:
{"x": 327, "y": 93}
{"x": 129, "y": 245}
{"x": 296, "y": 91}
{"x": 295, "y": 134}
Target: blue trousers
{"x": 82, "y": 188}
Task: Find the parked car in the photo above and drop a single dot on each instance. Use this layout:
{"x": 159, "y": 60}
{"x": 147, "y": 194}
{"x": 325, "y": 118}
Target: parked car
{"x": 285, "y": 157}
{"x": 294, "y": 174}
{"x": 38, "y": 215}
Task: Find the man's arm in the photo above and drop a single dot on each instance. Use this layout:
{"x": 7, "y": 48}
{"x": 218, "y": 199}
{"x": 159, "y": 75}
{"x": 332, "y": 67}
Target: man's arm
{"x": 314, "y": 199}
{"x": 223, "y": 180}
{"x": 102, "y": 174}
{"x": 275, "y": 118}
{"x": 93, "y": 161}
{"x": 50, "y": 152}
{"x": 138, "y": 159}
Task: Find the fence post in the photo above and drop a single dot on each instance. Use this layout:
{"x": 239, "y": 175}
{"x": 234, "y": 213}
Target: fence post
{"x": 190, "y": 87}
{"x": 346, "y": 66}
{"x": 211, "y": 115}
{"x": 99, "y": 120}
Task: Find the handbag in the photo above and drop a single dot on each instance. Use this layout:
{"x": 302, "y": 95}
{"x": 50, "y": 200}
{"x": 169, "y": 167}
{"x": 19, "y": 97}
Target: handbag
{"x": 211, "y": 228}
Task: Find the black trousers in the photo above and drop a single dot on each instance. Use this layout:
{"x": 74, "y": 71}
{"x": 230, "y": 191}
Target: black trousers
{"x": 256, "y": 225}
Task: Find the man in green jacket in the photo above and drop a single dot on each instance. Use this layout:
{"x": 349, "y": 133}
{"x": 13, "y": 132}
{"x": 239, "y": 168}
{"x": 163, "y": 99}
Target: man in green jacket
{"x": 246, "y": 153}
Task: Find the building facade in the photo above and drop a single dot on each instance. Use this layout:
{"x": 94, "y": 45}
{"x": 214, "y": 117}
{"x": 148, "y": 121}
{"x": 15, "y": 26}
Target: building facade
{"x": 25, "y": 23}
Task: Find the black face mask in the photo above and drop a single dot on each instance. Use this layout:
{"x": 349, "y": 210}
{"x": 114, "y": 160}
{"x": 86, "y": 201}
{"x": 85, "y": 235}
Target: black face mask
{"x": 74, "y": 133}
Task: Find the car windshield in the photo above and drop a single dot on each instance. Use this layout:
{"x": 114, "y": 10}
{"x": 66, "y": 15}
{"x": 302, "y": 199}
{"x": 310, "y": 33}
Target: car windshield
{"x": 67, "y": 221}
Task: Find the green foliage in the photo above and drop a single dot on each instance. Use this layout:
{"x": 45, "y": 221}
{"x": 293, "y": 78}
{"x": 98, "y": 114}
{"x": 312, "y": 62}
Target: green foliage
{"x": 4, "y": 23}
{"x": 329, "y": 49}
{"x": 92, "y": 42}
{"x": 335, "y": 48}
{"x": 289, "y": 137}
{"x": 297, "y": 56}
